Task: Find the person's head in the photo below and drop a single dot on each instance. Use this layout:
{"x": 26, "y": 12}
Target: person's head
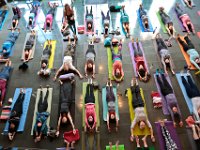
{"x": 146, "y": 24}
{"x": 90, "y": 120}
{"x": 89, "y": 25}
{"x": 106, "y": 29}
{"x": 26, "y": 54}
{"x": 48, "y": 24}
{"x": 43, "y": 65}
{"x": 12, "y": 128}
{"x": 68, "y": 10}
{"x": 89, "y": 65}
{"x": 114, "y": 42}
{"x": 176, "y": 114}
{"x": 117, "y": 73}
{"x": 30, "y": 21}
{"x": 14, "y": 23}
{"x": 64, "y": 119}
{"x": 142, "y": 125}
{"x": 4, "y": 49}
{"x": 112, "y": 115}
{"x": 189, "y": 2}
{"x": 39, "y": 124}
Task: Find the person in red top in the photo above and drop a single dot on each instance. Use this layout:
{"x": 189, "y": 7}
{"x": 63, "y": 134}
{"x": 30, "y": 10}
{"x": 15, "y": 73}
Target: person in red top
{"x": 90, "y": 113}
{"x": 140, "y": 63}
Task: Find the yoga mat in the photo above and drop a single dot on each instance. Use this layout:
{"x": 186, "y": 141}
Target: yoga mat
{"x": 120, "y": 147}
{"x": 36, "y": 105}
{"x": 187, "y": 99}
{"x": 180, "y": 22}
{"x": 105, "y": 106}
{"x": 186, "y": 56}
{"x": 3, "y": 22}
{"x": 174, "y": 136}
{"x": 137, "y": 130}
{"x": 33, "y": 48}
{"x": 133, "y": 58}
{"x": 5, "y": 113}
{"x": 141, "y": 25}
{"x": 93, "y": 2}
{"x": 198, "y": 34}
{"x": 184, "y": 4}
{"x": 51, "y": 59}
{"x": 25, "y": 109}
{"x": 149, "y": 148}
{"x": 161, "y": 23}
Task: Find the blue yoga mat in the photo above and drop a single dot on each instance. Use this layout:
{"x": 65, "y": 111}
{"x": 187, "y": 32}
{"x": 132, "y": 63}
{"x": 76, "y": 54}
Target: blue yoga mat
{"x": 25, "y": 109}
{"x": 141, "y": 25}
{"x": 187, "y": 99}
{"x": 105, "y": 106}
{"x": 3, "y": 22}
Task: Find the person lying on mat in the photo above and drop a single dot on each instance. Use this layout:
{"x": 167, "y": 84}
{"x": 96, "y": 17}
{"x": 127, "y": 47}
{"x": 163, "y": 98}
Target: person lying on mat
{"x": 29, "y": 45}
{"x": 68, "y": 14}
{"x": 2, "y": 16}
{"x": 46, "y": 54}
{"x": 106, "y": 22}
{"x": 32, "y": 15}
{"x": 49, "y": 17}
{"x": 185, "y": 19}
{"x": 188, "y": 3}
{"x": 170, "y": 144}
{"x": 118, "y": 72}
{"x": 140, "y": 62}
{"x": 90, "y": 110}
{"x": 167, "y": 22}
{"x": 16, "y": 17}
{"x": 125, "y": 22}
{"x": 170, "y": 98}
{"x": 189, "y": 48}
{"x": 15, "y": 116}
{"x": 195, "y": 130}
{"x": 4, "y": 76}
{"x": 8, "y": 44}
{"x": 164, "y": 54}
{"x": 144, "y": 18}
{"x": 140, "y": 116}
{"x": 66, "y": 100}
{"x": 89, "y": 19}
{"x": 110, "y": 99}
{"x": 116, "y": 145}
{"x": 90, "y": 60}
{"x": 193, "y": 93}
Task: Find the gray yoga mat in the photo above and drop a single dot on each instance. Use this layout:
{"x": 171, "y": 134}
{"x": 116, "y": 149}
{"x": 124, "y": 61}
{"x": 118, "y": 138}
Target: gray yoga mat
{"x": 92, "y": 2}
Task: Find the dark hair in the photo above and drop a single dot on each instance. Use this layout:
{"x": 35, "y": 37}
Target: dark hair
{"x": 91, "y": 122}
{"x": 142, "y": 72}
{"x": 189, "y": 27}
{"x": 146, "y": 25}
{"x": 189, "y": 2}
{"x": 48, "y": 24}
{"x": 13, "y": 24}
{"x": 177, "y": 116}
{"x": 110, "y": 119}
{"x": 11, "y": 130}
{"x": 30, "y": 22}
{"x": 118, "y": 75}
{"x": 106, "y": 30}
{"x": 90, "y": 62}
{"x": 171, "y": 31}
{"x": 89, "y": 27}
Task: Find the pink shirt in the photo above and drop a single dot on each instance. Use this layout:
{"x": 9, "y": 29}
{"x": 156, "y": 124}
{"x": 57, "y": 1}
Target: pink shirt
{"x": 184, "y": 18}
{"x": 90, "y": 111}
{"x": 50, "y": 18}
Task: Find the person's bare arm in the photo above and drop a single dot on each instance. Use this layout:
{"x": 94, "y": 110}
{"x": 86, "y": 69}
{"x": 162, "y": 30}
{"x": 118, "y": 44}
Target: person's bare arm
{"x": 93, "y": 70}
{"x": 108, "y": 125}
{"x": 59, "y": 121}
{"x": 57, "y": 73}
{"x": 85, "y": 69}
{"x": 71, "y": 121}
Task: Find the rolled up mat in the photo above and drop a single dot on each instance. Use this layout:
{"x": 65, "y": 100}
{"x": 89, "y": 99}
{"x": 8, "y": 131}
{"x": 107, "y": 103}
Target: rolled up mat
{"x": 25, "y": 109}
{"x": 33, "y": 48}
{"x": 70, "y": 136}
{"x": 133, "y": 58}
{"x": 120, "y": 147}
{"x": 141, "y": 25}
{"x": 5, "y": 113}
{"x": 183, "y": 2}
{"x": 36, "y": 105}
{"x": 161, "y": 23}
{"x": 105, "y": 105}
{"x": 137, "y": 130}
{"x": 51, "y": 59}
{"x": 3, "y": 21}
{"x": 186, "y": 56}
{"x": 169, "y": 125}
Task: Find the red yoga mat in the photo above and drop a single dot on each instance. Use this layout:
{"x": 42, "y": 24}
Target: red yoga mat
{"x": 69, "y": 136}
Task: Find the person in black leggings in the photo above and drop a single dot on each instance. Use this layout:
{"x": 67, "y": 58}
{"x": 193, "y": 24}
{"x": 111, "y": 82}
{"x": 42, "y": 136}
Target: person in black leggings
{"x": 105, "y": 21}
{"x": 89, "y": 19}
{"x": 15, "y": 116}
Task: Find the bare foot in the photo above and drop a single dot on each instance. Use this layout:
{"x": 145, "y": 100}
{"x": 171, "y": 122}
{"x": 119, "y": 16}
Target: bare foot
{"x": 110, "y": 144}
{"x": 144, "y": 141}
{"x": 137, "y": 141}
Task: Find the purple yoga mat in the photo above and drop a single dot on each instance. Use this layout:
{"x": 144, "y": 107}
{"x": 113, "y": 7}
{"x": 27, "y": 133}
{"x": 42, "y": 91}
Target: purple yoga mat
{"x": 171, "y": 129}
{"x": 133, "y": 59}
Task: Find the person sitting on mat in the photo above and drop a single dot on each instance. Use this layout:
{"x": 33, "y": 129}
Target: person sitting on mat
{"x": 188, "y": 3}
{"x": 185, "y": 19}
{"x": 116, "y": 145}
{"x": 90, "y": 113}
{"x": 140, "y": 63}
{"x": 89, "y": 20}
{"x": 164, "y": 54}
{"x": 169, "y": 142}
{"x": 140, "y": 116}
{"x": 8, "y": 44}
{"x": 49, "y": 17}
{"x": 4, "y": 76}
{"x": 144, "y": 18}
{"x": 125, "y": 22}
{"x": 66, "y": 100}
{"x": 2, "y": 16}
{"x": 16, "y": 17}
{"x": 111, "y": 102}
{"x": 46, "y": 54}
{"x": 118, "y": 72}
{"x": 64, "y": 28}
{"x": 167, "y": 22}
{"x": 189, "y": 48}
{"x": 90, "y": 60}
{"x": 32, "y": 15}
{"x": 15, "y": 116}
{"x": 193, "y": 93}
{"x": 168, "y": 93}
{"x": 106, "y": 22}
{"x": 29, "y": 45}
{"x": 40, "y": 128}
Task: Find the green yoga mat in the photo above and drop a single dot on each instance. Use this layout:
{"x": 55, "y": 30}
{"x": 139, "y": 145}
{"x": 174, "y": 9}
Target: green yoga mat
{"x": 120, "y": 147}
{"x": 149, "y": 148}
{"x": 161, "y": 23}
{"x": 105, "y": 106}
{"x": 110, "y": 63}
{"x": 36, "y": 105}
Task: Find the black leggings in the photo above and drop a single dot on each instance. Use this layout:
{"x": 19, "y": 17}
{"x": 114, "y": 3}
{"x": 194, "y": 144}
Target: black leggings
{"x": 43, "y": 104}
{"x": 89, "y": 96}
{"x": 165, "y": 87}
{"x": 186, "y": 45}
{"x": 91, "y": 49}
{"x": 160, "y": 44}
{"x": 136, "y": 97}
{"x": 18, "y": 106}
{"x": 87, "y": 13}
{"x": 110, "y": 97}
{"x": 190, "y": 87}
{"x": 52, "y": 11}
{"x": 107, "y": 17}
{"x": 137, "y": 50}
